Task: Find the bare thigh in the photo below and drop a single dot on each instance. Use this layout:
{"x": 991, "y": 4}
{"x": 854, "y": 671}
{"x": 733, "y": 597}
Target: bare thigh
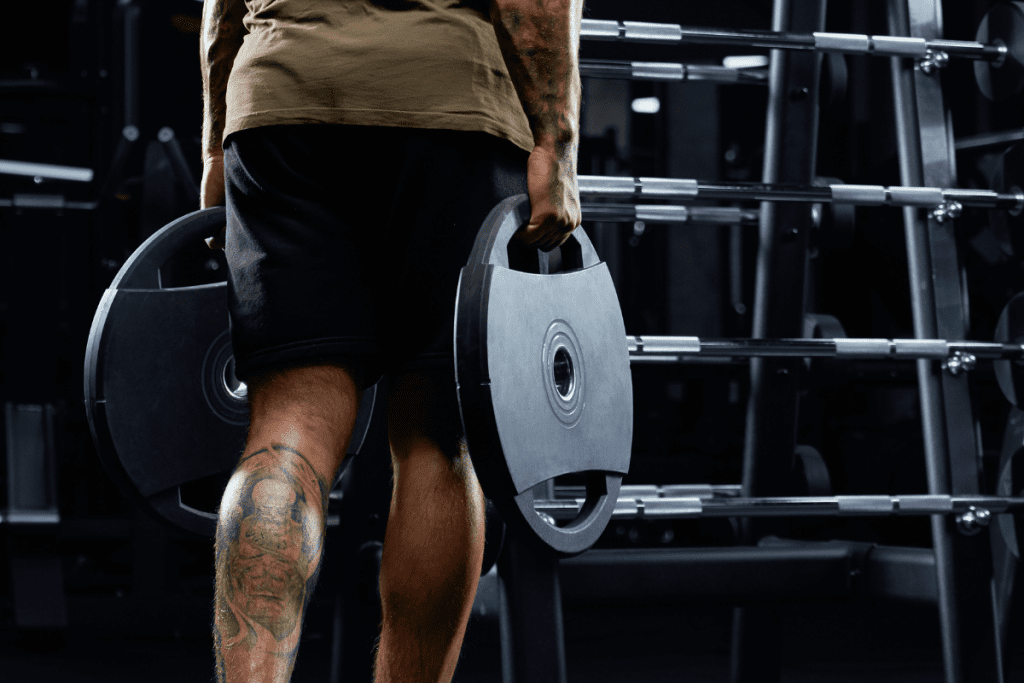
{"x": 309, "y": 409}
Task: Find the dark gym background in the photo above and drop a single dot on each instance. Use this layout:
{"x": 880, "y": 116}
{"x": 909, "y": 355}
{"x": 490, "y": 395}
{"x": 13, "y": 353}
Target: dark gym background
{"x": 136, "y": 596}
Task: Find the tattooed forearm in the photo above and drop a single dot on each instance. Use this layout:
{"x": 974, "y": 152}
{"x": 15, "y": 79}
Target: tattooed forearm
{"x": 269, "y": 545}
{"x": 219, "y": 42}
{"x": 539, "y": 41}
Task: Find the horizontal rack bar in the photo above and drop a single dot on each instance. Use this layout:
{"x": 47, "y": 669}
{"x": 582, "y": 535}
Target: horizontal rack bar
{"x": 692, "y": 507}
{"x": 847, "y": 43}
{"x": 671, "y": 71}
{"x": 611, "y": 213}
{"x": 860, "y": 195}
{"x": 664, "y": 349}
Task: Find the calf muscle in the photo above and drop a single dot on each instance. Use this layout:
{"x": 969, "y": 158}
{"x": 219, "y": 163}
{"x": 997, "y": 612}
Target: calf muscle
{"x": 269, "y": 545}
{"x": 431, "y": 564}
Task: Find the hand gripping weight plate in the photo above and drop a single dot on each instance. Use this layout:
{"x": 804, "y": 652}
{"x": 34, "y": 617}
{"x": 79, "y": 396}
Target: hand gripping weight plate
{"x": 543, "y": 375}
{"x": 161, "y": 398}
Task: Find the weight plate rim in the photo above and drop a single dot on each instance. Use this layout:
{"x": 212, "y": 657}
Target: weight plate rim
{"x": 164, "y": 242}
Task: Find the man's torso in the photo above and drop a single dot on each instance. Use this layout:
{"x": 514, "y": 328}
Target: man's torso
{"x": 406, "y": 63}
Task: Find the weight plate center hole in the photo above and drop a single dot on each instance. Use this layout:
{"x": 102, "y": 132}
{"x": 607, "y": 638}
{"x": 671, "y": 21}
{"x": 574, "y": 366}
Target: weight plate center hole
{"x": 565, "y": 373}
{"x": 235, "y": 388}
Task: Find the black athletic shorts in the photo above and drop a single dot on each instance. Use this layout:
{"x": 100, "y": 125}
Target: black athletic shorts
{"x": 344, "y": 243}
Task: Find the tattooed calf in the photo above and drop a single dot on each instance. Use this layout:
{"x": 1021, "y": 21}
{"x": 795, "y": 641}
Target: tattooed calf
{"x": 269, "y": 545}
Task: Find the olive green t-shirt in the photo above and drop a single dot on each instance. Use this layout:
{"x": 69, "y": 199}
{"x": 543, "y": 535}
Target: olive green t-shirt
{"x": 407, "y": 63}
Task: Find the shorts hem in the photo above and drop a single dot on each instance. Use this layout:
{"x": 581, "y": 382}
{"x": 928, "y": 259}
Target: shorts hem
{"x": 360, "y": 354}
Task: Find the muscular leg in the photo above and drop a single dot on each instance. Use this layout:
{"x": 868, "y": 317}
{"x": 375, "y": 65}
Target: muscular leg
{"x": 271, "y": 529}
{"x": 433, "y": 547}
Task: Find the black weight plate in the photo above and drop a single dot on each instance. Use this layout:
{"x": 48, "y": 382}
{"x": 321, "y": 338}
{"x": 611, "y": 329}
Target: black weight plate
{"x": 1011, "y": 479}
{"x": 543, "y": 375}
{"x": 834, "y": 80}
{"x": 1010, "y": 330}
{"x": 1008, "y": 177}
{"x": 161, "y": 397}
{"x": 494, "y": 537}
{"x": 811, "y": 477}
{"x": 1011, "y": 473}
{"x": 1002, "y": 80}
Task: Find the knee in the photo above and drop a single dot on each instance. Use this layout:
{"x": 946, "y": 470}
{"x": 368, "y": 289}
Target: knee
{"x": 276, "y": 483}
{"x": 270, "y": 537}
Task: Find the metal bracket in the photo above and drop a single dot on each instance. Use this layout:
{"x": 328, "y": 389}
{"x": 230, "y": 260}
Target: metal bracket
{"x": 960, "y": 361}
{"x": 973, "y": 521}
{"x": 933, "y": 61}
{"x": 31, "y": 467}
{"x": 950, "y": 210}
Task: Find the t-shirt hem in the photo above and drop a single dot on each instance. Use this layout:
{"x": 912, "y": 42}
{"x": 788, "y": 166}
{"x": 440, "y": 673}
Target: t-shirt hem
{"x": 379, "y": 117}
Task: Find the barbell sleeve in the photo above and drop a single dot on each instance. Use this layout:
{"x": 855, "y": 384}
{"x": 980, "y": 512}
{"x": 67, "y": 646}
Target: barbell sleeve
{"x": 671, "y": 71}
{"x": 658, "y": 491}
{"x": 846, "y": 43}
{"x": 669, "y": 213}
{"x": 684, "y": 189}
